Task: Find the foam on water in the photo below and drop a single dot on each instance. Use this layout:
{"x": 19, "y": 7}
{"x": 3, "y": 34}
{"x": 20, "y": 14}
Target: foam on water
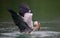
{"x": 34, "y": 34}
{"x": 41, "y": 34}
{"x": 46, "y": 33}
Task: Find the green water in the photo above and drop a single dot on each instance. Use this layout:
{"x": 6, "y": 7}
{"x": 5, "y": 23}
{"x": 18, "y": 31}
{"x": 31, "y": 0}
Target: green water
{"x": 48, "y": 30}
{"x": 45, "y": 11}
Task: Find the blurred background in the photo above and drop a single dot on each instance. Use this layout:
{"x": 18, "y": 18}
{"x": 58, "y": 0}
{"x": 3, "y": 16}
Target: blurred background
{"x": 45, "y": 11}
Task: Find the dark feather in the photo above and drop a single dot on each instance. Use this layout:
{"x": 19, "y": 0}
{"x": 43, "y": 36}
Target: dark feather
{"x": 19, "y": 22}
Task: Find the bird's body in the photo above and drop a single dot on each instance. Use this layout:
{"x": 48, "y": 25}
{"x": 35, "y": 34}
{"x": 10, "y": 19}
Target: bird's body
{"x": 24, "y": 19}
{"x": 20, "y": 22}
{"x": 22, "y": 25}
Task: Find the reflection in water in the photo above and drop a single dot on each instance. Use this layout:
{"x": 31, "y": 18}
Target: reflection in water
{"x": 36, "y": 34}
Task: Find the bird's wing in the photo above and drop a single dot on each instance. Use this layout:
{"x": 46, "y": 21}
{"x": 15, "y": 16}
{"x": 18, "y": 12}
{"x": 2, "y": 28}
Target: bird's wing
{"x": 19, "y": 22}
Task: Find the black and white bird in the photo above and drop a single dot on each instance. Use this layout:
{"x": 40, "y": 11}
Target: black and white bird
{"x": 24, "y": 19}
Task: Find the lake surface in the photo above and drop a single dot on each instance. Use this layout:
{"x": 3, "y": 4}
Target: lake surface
{"x": 48, "y": 30}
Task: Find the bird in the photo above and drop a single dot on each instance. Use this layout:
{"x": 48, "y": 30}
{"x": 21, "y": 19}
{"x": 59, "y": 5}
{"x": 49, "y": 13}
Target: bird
{"x": 23, "y": 26}
{"x": 24, "y": 19}
{"x": 18, "y": 20}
